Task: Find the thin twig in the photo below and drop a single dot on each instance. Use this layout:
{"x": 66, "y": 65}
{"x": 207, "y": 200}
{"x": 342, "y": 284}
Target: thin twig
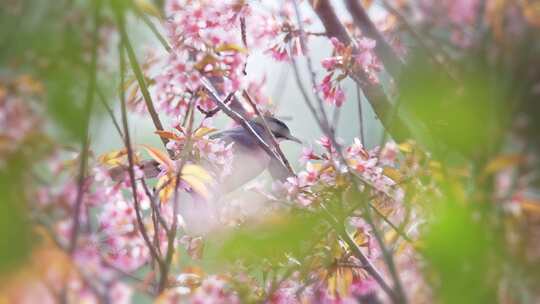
{"x": 320, "y": 102}
{"x": 153, "y": 204}
{"x": 110, "y": 112}
{"x": 174, "y": 226}
{"x": 267, "y": 129}
{"x": 369, "y": 267}
{"x": 241, "y": 121}
{"x": 387, "y": 255}
{"x": 214, "y": 111}
{"x": 328, "y": 13}
{"x": 92, "y": 80}
{"x": 153, "y": 28}
{"x": 154, "y": 254}
{"x": 443, "y": 63}
{"x": 360, "y": 115}
{"x": 303, "y": 91}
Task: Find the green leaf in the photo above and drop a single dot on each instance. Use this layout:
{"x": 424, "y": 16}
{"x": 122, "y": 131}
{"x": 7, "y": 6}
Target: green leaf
{"x": 462, "y": 252}
{"x": 274, "y": 238}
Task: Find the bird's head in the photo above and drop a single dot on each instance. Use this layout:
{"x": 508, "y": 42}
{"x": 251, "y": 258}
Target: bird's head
{"x": 279, "y": 129}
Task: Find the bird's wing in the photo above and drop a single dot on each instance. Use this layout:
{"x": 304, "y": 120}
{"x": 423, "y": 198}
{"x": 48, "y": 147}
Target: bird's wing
{"x": 241, "y": 138}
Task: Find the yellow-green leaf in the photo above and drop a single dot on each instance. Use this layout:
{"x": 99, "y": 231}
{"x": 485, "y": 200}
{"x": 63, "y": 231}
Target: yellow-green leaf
{"x": 530, "y": 206}
{"x": 166, "y": 185}
{"x": 202, "y": 131}
{"x": 206, "y": 60}
{"x": 231, "y": 47}
{"x": 406, "y": 147}
{"x": 113, "y": 158}
{"x": 197, "y": 185}
{"x": 148, "y": 7}
{"x": 393, "y": 173}
{"x": 169, "y": 135}
{"x": 503, "y": 162}
{"x": 197, "y": 172}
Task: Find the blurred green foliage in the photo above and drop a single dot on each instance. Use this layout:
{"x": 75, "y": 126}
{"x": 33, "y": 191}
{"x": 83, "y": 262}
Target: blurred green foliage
{"x": 273, "y": 239}
{"x": 52, "y": 41}
{"x": 15, "y": 231}
{"x": 463, "y": 253}
{"x": 460, "y": 115}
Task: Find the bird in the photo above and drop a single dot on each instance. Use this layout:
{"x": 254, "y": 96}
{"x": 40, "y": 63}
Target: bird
{"x": 249, "y": 160}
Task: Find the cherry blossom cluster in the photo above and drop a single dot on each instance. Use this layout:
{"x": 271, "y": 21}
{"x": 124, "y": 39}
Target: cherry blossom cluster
{"x": 208, "y": 40}
{"x": 344, "y": 61}
{"x": 328, "y": 169}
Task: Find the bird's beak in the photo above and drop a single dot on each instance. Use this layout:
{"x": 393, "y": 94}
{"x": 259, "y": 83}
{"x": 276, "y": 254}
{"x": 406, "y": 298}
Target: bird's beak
{"x": 292, "y": 138}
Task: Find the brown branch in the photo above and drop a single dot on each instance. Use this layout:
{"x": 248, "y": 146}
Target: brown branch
{"x": 141, "y": 80}
{"x": 387, "y": 255}
{"x": 368, "y": 266}
{"x": 303, "y": 91}
{"x": 384, "y": 51}
{"x": 267, "y": 129}
{"x": 241, "y": 121}
{"x": 110, "y": 112}
{"x": 174, "y": 226}
{"x": 374, "y": 93}
{"x": 142, "y": 229}
{"x": 215, "y": 110}
{"x": 325, "y": 121}
{"x": 92, "y": 84}
{"x": 153, "y": 204}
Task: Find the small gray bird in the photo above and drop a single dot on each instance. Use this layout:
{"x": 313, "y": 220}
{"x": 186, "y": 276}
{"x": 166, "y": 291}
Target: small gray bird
{"x": 249, "y": 161}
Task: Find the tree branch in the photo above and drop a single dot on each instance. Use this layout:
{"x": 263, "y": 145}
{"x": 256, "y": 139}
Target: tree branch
{"x": 267, "y": 129}
{"x": 384, "y": 51}
{"x": 92, "y": 80}
{"x": 241, "y": 121}
{"x": 140, "y": 79}
{"x": 375, "y": 95}
{"x": 142, "y": 229}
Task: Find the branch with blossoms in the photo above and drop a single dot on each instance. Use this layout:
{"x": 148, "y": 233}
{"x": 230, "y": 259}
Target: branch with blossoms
{"x": 362, "y": 74}
{"x": 431, "y": 217}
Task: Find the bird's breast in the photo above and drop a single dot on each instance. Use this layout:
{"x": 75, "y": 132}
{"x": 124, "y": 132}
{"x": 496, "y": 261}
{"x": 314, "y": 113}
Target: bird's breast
{"x": 247, "y": 164}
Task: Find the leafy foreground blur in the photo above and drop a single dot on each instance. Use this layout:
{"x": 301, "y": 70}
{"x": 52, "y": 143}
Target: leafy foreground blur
{"x": 446, "y": 209}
